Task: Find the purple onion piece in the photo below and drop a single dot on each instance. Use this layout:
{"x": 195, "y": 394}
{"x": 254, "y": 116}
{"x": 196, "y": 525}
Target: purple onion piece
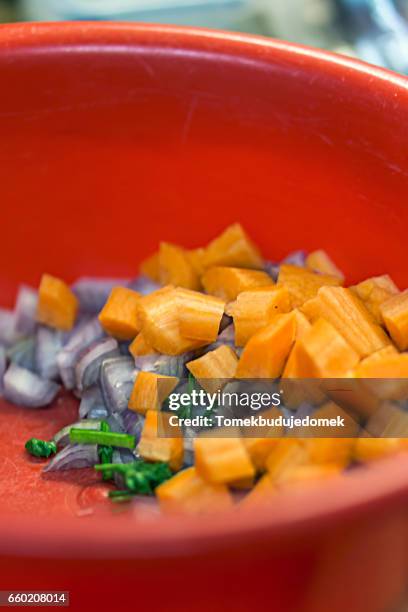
{"x": 117, "y": 378}
{"x": 25, "y": 310}
{"x": 133, "y": 423}
{"x": 3, "y": 365}
{"x": 296, "y": 258}
{"x": 25, "y": 388}
{"x": 188, "y": 442}
{"x": 48, "y": 343}
{"x": 272, "y": 269}
{"x": 88, "y": 367}
{"x": 74, "y": 456}
{"x": 98, "y": 412}
{"x": 91, "y": 400}
{"x": 23, "y": 354}
{"x": 124, "y": 348}
{"x": 143, "y": 285}
{"x": 92, "y": 293}
{"x": 166, "y": 365}
{"x": 226, "y": 321}
{"x": 226, "y": 337}
{"x": 67, "y": 358}
{"x": 115, "y": 423}
{"x": 8, "y": 333}
{"x": 62, "y": 436}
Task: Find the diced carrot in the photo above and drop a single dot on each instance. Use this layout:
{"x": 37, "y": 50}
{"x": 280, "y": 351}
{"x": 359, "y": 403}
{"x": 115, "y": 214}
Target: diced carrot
{"x": 303, "y": 284}
{"x": 324, "y": 353}
{"x": 150, "y": 390}
{"x": 308, "y": 474}
{"x": 222, "y": 460}
{"x": 373, "y": 292}
{"x": 199, "y": 315}
{"x": 57, "y": 304}
{"x": 394, "y": 312}
{"x": 393, "y": 369}
{"x": 265, "y": 354}
{"x": 188, "y": 493}
{"x": 215, "y": 368}
{"x": 232, "y": 248}
{"x": 150, "y": 267}
{"x": 302, "y": 323}
{"x": 159, "y": 317}
{"x": 195, "y": 257}
{"x": 155, "y": 446}
{"x": 259, "y": 450}
{"x": 140, "y": 346}
{"x": 254, "y": 309}
{"x": 120, "y": 315}
{"x": 288, "y": 453}
{"x": 370, "y": 449}
{"x": 334, "y": 451}
{"x": 262, "y": 492}
{"x": 319, "y": 261}
{"x": 228, "y": 283}
{"x": 389, "y": 421}
{"x": 176, "y": 268}
{"x": 387, "y": 351}
{"x": 346, "y": 312}
{"x": 331, "y": 410}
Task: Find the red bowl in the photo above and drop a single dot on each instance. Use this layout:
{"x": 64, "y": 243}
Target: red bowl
{"x": 116, "y": 136}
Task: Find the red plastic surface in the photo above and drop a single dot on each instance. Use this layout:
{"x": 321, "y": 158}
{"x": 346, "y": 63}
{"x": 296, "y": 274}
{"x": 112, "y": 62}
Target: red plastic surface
{"x": 115, "y": 136}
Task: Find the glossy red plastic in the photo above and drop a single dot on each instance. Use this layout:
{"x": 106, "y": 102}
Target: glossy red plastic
{"x": 116, "y": 136}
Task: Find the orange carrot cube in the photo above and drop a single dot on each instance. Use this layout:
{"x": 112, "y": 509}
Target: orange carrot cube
{"x": 150, "y": 267}
{"x": 228, "y": 283}
{"x": 319, "y": 261}
{"x": 214, "y": 369}
{"x": 199, "y": 315}
{"x": 154, "y": 445}
{"x": 393, "y": 369}
{"x": 254, "y": 309}
{"x": 222, "y": 460}
{"x": 333, "y": 451}
{"x": 346, "y": 312}
{"x": 232, "y": 248}
{"x": 373, "y": 292}
{"x": 140, "y": 346}
{"x": 303, "y": 284}
{"x": 150, "y": 390}
{"x": 371, "y": 449}
{"x": 265, "y": 354}
{"x": 188, "y": 493}
{"x": 176, "y": 268}
{"x": 196, "y": 256}
{"x": 308, "y": 473}
{"x": 120, "y": 315}
{"x": 287, "y": 454}
{"x": 387, "y": 351}
{"x": 324, "y": 353}
{"x": 394, "y": 312}
{"x": 302, "y": 323}
{"x": 262, "y": 492}
{"x": 57, "y": 304}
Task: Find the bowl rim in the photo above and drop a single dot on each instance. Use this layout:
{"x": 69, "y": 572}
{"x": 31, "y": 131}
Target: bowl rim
{"x": 375, "y": 490}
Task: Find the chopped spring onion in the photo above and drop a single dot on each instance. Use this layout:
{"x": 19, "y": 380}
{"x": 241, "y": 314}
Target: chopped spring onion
{"x": 40, "y": 448}
{"x": 105, "y": 438}
{"x": 139, "y": 477}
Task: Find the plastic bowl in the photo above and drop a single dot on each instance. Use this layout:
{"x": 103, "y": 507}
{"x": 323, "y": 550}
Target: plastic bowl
{"x": 115, "y": 136}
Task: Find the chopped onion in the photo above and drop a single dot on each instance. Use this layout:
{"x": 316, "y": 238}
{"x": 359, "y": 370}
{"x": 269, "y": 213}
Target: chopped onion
{"x": 272, "y": 269}
{"x": 48, "y": 343}
{"x": 226, "y": 321}
{"x": 98, "y": 412}
{"x": 188, "y": 442}
{"x": 166, "y": 365}
{"x": 8, "y": 333}
{"x": 74, "y": 456}
{"x": 88, "y": 367}
{"x": 27, "y": 389}
{"x": 133, "y": 423}
{"x": 296, "y": 258}
{"x": 3, "y": 365}
{"x": 22, "y": 354}
{"x": 67, "y": 358}
{"x": 62, "y": 436}
{"x": 143, "y": 285}
{"x": 115, "y": 423}
{"x": 92, "y": 293}
{"x": 91, "y": 400}
{"x": 121, "y": 455}
{"x": 117, "y": 378}
{"x": 25, "y": 310}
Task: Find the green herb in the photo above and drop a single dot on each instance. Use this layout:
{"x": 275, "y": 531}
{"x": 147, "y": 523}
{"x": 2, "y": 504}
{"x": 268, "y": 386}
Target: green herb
{"x": 105, "y": 426}
{"x": 120, "y": 496}
{"x": 40, "y": 448}
{"x": 185, "y": 412}
{"x": 139, "y": 477}
{"x": 105, "y": 456}
{"x": 104, "y": 438}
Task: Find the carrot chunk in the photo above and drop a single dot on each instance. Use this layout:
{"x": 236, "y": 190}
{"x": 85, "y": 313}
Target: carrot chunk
{"x": 140, "y": 346}
{"x": 334, "y": 451}
{"x": 303, "y": 284}
{"x": 346, "y": 312}
{"x": 159, "y": 317}
{"x": 324, "y": 353}
{"x": 265, "y": 354}
{"x": 195, "y": 256}
{"x": 373, "y": 292}
{"x": 254, "y": 309}
{"x": 199, "y": 315}
{"x": 387, "y": 351}
{"x": 215, "y": 368}
{"x": 319, "y": 261}
{"x": 150, "y": 390}
{"x": 228, "y": 283}
{"x": 154, "y": 446}
{"x": 188, "y": 493}
{"x": 395, "y": 315}
{"x": 150, "y": 267}
{"x": 176, "y": 268}
{"x": 371, "y": 449}
{"x": 262, "y": 492}
{"x": 222, "y": 460}
{"x": 308, "y": 474}
{"x": 57, "y": 305}
{"x": 393, "y": 369}
{"x": 289, "y": 453}
{"x": 120, "y": 315}
{"x": 232, "y": 248}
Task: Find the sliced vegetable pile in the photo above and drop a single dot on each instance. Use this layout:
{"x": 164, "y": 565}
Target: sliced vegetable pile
{"x": 219, "y": 312}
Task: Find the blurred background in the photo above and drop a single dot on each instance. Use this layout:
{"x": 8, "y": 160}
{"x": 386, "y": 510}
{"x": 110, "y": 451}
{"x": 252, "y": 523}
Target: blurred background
{"x": 373, "y": 30}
